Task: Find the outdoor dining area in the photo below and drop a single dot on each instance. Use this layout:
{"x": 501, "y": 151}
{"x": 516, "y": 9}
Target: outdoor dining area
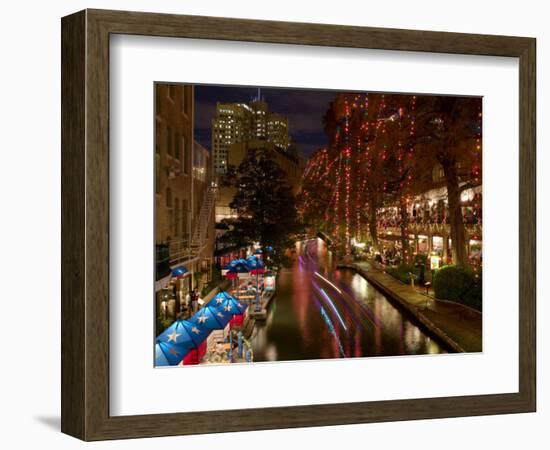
{"x": 211, "y": 330}
{"x": 247, "y": 276}
{"x": 214, "y": 334}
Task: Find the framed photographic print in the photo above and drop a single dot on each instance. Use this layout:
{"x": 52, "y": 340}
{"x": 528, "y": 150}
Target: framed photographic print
{"x": 270, "y": 224}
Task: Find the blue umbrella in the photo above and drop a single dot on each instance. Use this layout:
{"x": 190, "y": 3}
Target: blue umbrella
{"x": 185, "y": 334}
{"x": 227, "y": 303}
{"x": 232, "y": 306}
{"x": 238, "y": 264}
{"x": 219, "y": 298}
{"x": 234, "y": 271}
{"x": 256, "y": 265}
{"x": 241, "y": 267}
{"x": 169, "y": 354}
{"x": 211, "y": 318}
{"x": 179, "y": 271}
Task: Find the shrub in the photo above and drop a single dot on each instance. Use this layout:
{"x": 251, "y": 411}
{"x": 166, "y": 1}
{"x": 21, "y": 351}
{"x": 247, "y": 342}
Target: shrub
{"x": 458, "y": 284}
{"x": 473, "y": 296}
{"x": 402, "y": 272}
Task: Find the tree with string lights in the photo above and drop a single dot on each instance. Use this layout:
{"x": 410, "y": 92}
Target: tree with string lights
{"x": 449, "y": 134}
{"x": 316, "y": 190}
{"x": 381, "y": 153}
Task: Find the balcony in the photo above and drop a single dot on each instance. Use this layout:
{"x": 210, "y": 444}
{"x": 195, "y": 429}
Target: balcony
{"x": 180, "y": 252}
{"x": 440, "y": 229}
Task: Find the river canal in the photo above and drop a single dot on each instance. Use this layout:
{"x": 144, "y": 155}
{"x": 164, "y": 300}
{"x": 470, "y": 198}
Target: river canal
{"x": 323, "y": 312}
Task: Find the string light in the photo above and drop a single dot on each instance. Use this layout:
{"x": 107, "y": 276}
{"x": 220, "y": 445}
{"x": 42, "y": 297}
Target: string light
{"x": 369, "y": 163}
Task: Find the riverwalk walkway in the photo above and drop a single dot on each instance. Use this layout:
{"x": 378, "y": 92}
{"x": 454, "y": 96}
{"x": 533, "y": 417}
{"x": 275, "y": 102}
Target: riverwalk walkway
{"x": 458, "y": 326}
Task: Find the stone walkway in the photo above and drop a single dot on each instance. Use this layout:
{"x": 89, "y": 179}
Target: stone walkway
{"x": 459, "y": 326}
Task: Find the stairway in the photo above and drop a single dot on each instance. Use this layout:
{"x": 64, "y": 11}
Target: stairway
{"x": 200, "y": 232}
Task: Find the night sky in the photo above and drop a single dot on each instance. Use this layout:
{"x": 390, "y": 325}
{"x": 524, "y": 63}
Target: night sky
{"x": 304, "y": 108}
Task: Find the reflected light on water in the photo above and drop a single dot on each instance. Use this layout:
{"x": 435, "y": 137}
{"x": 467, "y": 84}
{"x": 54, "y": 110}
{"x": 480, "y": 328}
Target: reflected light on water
{"x": 357, "y": 319}
{"x": 360, "y": 285}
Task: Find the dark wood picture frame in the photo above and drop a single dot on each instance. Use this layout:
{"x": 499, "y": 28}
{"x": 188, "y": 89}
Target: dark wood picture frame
{"x": 85, "y": 224}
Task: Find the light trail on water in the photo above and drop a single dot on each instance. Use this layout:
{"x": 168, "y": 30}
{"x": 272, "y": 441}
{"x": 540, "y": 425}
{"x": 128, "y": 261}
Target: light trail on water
{"x": 336, "y": 288}
{"x": 331, "y": 304}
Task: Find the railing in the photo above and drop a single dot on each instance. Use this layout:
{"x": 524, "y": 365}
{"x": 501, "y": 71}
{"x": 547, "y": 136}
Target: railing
{"x": 205, "y": 214}
{"x": 180, "y": 251}
{"x": 430, "y": 228}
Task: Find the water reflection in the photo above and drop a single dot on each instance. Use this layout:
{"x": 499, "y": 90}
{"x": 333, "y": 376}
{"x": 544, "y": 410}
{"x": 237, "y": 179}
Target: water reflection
{"x": 320, "y": 312}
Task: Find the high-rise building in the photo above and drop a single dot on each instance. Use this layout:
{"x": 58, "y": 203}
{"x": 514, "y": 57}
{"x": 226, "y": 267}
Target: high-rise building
{"x": 173, "y": 161}
{"x": 240, "y": 122}
{"x": 259, "y": 119}
{"x": 277, "y": 130}
{"x": 232, "y": 124}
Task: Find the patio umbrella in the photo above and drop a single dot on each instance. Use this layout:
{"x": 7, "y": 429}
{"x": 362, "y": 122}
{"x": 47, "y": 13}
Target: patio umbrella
{"x": 227, "y": 303}
{"x": 239, "y": 265}
{"x": 185, "y": 334}
{"x": 231, "y": 275}
{"x": 219, "y": 298}
{"x": 233, "y": 306}
{"x": 237, "y": 270}
{"x": 211, "y": 318}
{"x": 179, "y": 272}
{"x": 169, "y": 354}
{"x": 256, "y": 265}
{"x": 236, "y": 262}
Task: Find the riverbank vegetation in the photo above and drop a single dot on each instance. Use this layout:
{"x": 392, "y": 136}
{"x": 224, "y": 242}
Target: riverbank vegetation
{"x": 459, "y": 284}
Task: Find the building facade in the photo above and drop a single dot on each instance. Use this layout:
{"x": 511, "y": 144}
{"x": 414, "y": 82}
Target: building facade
{"x": 173, "y": 161}
{"x": 184, "y": 201}
{"x": 428, "y": 222}
{"x": 233, "y": 123}
{"x": 277, "y": 130}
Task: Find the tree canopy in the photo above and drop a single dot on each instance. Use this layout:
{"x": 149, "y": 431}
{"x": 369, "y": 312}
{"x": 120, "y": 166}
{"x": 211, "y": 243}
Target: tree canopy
{"x": 265, "y": 205}
{"x": 382, "y": 151}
